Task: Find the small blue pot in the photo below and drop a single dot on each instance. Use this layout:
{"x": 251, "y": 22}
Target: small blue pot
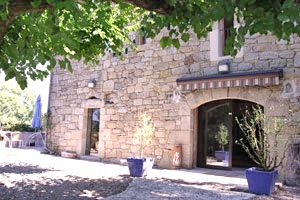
{"x": 261, "y": 182}
{"x": 139, "y": 167}
{"x": 221, "y": 155}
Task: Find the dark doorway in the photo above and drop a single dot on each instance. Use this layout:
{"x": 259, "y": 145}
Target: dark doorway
{"x": 92, "y": 137}
{"x": 218, "y": 131}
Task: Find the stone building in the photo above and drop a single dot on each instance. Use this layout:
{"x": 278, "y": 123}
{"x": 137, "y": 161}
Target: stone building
{"x": 94, "y": 110}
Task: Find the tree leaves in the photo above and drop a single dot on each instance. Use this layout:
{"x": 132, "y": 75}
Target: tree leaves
{"x": 87, "y": 29}
{"x": 3, "y": 9}
{"x": 175, "y": 43}
{"x": 166, "y": 41}
{"x": 70, "y": 31}
{"x": 36, "y": 3}
{"x": 16, "y": 105}
{"x": 185, "y": 37}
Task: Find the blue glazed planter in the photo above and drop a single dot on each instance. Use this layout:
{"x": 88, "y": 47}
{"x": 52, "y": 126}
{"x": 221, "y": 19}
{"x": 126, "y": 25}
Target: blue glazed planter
{"x": 220, "y": 155}
{"x": 139, "y": 167}
{"x": 261, "y": 182}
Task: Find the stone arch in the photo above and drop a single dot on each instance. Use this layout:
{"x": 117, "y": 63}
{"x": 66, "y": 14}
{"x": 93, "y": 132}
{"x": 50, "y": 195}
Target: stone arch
{"x": 269, "y": 98}
{"x": 211, "y": 115}
{"x": 93, "y": 97}
{"x": 255, "y": 95}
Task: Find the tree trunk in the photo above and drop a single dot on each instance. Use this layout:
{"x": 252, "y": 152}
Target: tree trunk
{"x": 3, "y": 29}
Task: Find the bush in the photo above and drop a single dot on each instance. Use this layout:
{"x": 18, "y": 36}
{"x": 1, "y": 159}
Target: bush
{"x": 262, "y": 138}
{"x": 22, "y": 128}
{"x": 16, "y": 108}
{"x": 144, "y": 133}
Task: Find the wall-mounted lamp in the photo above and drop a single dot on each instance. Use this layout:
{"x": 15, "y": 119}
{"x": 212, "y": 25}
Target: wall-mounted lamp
{"x": 224, "y": 67}
{"x": 92, "y": 83}
{"x": 107, "y": 100}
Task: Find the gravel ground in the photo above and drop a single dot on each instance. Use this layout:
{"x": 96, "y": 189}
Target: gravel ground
{"x": 25, "y": 181}
{"x": 26, "y": 174}
{"x": 169, "y": 189}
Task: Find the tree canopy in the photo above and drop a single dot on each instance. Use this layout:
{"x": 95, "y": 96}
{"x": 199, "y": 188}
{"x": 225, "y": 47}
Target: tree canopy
{"x": 37, "y": 31}
{"x": 16, "y": 108}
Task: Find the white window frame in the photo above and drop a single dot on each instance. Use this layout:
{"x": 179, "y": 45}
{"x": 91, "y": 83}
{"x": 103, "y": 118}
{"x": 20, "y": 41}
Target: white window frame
{"x": 215, "y": 38}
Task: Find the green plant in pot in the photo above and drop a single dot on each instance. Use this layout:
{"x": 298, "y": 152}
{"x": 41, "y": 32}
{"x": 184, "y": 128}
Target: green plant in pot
{"x": 222, "y": 138}
{"x": 139, "y": 166}
{"x": 261, "y": 143}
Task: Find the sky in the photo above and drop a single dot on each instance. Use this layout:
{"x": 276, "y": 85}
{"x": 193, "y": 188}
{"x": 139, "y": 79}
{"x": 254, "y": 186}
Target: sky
{"x": 37, "y": 88}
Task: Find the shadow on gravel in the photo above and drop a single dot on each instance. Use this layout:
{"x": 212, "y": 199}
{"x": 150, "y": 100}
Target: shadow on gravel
{"x": 66, "y": 188}
{"x": 280, "y": 193}
{"x": 22, "y": 169}
{"x": 157, "y": 189}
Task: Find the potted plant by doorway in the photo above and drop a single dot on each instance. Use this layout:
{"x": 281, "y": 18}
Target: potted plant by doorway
{"x": 139, "y": 166}
{"x": 222, "y": 139}
{"x": 261, "y": 143}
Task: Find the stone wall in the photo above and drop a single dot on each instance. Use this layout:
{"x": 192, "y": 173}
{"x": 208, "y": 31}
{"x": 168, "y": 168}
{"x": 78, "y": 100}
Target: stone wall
{"x": 145, "y": 80}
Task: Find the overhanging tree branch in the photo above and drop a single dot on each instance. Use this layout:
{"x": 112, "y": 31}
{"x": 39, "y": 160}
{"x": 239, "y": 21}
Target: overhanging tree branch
{"x": 158, "y": 6}
{"x": 16, "y": 8}
{"x": 86, "y": 29}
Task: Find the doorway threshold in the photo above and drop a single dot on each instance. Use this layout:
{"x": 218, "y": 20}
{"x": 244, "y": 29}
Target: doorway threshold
{"x": 233, "y": 172}
{"x": 90, "y": 157}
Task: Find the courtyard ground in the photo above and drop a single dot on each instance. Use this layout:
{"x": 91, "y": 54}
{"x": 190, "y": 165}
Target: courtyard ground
{"x": 27, "y": 174}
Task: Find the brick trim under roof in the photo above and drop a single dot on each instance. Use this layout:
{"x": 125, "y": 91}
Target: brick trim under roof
{"x": 240, "y": 79}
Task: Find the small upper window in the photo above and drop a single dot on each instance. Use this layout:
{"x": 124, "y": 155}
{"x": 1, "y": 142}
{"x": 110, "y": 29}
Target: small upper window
{"x": 218, "y": 36}
{"x": 140, "y": 37}
{"x": 225, "y": 33}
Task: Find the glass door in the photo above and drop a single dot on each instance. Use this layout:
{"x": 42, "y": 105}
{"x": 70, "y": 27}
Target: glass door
{"x": 215, "y": 135}
{"x": 92, "y": 138}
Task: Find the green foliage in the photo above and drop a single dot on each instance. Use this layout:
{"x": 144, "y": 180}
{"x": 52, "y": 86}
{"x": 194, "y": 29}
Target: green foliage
{"x": 21, "y": 127}
{"x": 74, "y": 30}
{"x": 3, "y": 9}
{"x": 144, "y": 133}
{"x": 262, "y": 138}
{"x": 222, "y": 136}
{"x": 16, "y": 107}
{"x": 70, "y": 31}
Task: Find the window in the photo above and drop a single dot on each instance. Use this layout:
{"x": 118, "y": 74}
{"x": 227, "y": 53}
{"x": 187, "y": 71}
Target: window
{"x": 140, "y": 37}
{"x": 218, "y": 36}
{"x": 225, "y": 26}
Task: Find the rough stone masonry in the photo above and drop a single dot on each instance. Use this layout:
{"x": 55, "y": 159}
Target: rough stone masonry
{"x": 145, "y": 81}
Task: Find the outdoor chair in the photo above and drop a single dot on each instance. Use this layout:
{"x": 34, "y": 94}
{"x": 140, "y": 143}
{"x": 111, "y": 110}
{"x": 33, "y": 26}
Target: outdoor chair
{"x": 5, "y": 140}
{"x": 14, "y": 139}
{"x": 17, "y": 140}
{"x": 37, "y": 138}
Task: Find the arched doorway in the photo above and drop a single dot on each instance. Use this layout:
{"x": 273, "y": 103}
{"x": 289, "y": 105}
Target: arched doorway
{"x": 217, "y": 133}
